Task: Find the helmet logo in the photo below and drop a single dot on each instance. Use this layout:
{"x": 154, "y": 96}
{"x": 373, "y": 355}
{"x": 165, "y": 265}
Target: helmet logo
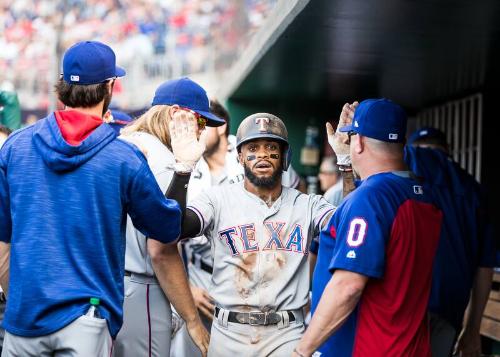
{"x": 262, "y": 122}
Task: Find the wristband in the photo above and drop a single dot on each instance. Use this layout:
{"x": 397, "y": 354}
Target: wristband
{"x": 345, "y": 168}
{"x": 183, "y": 168}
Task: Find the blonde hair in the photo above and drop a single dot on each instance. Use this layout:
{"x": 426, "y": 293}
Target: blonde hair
{"x": 154, "y": 121}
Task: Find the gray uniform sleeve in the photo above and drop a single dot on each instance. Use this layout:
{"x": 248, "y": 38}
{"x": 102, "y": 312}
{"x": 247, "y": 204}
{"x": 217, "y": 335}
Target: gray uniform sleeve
{"x": 321, "y": 212}
{"x": 204, "y": 207}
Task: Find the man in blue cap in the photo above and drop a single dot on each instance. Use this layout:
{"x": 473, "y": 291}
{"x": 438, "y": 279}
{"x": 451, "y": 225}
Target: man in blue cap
{"x": 465, "y": 258}
{"x": 66, "y": 187}
{"x": 147, "y": 313}
{"x": 373, "y": 274}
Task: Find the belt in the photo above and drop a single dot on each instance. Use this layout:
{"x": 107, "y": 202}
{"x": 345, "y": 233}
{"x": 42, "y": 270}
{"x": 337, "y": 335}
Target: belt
{"x": 141, "y": 278}
{"x": 197, "y": 262}
{"x": 256, "y": 318}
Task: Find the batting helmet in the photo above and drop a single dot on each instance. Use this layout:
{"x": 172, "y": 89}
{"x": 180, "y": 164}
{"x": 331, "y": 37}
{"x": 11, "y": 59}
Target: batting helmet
{"x": 264, "y": 126}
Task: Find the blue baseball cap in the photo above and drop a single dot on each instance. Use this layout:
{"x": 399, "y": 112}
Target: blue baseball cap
{"x": 428, "y": 133}
{"x": 90, "y": 62}
{"x": 379, "y": 119}
{"x": 186, "y": 93}
{"x": 120, "y": 119}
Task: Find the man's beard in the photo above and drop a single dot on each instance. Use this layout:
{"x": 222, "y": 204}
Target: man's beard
{"x": 212, "y": 148}
{"x": 107, "y": 100}
{"x": 264, "y": 182}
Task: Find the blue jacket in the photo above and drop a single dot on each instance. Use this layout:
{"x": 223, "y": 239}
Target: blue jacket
{"x": 63, "y": 209}
{"x": 466, "y": 241}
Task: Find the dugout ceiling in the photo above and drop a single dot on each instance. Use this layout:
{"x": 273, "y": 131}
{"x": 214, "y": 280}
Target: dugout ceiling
{"x": 416, "y": 52}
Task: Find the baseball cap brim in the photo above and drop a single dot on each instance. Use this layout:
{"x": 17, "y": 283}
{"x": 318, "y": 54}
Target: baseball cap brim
{"x": 119, "y": 72}
{"x": 212, "y": 120}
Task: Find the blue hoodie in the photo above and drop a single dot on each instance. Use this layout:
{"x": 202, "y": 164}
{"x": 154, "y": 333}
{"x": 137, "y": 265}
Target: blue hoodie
{"x": 63, "y": 209}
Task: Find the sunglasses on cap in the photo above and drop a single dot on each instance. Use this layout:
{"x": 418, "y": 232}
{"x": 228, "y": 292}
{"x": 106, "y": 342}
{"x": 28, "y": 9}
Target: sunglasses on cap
{"x": 202, "y": 122}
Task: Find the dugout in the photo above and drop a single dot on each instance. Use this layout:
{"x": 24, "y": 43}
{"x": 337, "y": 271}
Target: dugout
{"x": 437, "y": 59}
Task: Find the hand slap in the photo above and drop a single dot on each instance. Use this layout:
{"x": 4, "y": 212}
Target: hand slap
{"x": 186, "y": 146}
{"x": 339, "y": 141}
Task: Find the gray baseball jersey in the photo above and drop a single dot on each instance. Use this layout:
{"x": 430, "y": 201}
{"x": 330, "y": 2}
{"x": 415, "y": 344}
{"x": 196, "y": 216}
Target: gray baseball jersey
{"x": 146, "y": 310}
{"x": 233, "y": 172}
{"x": 160, "y": 161}
{"x": 260, "y": 252}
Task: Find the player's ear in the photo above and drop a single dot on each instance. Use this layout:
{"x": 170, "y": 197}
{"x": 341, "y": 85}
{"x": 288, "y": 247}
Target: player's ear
{"x": 240, "y": 158}
{"x": 359, "y": 145}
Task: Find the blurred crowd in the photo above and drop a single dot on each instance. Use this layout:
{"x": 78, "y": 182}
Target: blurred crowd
{"x": 198, "y": 35}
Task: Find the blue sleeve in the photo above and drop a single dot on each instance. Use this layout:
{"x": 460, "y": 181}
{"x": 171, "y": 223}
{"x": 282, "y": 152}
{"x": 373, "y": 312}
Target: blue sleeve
{"x": 360, "y": 236}
{"x": 5, "y": 218}
{"x": 152, "y": 214}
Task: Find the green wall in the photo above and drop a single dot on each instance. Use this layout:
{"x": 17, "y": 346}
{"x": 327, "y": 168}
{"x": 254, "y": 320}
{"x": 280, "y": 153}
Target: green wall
{"x": 296, "y": 114}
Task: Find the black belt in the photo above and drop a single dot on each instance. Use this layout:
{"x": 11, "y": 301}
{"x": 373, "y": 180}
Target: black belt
{"x": 204, "y": 266}
{"x": 128, "y": 273}
{"x": 255, "y": 318}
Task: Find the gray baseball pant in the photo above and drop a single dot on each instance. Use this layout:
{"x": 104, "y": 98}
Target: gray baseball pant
{"x": 147, "y": 319}
{"x": 86, "y": 336}
{"x": 243, "y": 340}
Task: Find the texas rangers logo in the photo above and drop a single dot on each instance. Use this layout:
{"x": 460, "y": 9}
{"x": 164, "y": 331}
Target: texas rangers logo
{"x": 262, "y": 122}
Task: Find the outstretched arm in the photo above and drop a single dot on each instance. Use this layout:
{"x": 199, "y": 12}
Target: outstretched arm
{"x": 339, "y": 299}
{"x": 339, "y": 142}
{"x": 177, "y": 190}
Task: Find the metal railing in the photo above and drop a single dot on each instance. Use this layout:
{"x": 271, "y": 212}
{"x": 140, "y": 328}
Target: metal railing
{"x": 462, "y": 122}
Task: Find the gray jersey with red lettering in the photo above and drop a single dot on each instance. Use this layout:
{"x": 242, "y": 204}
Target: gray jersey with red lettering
{"x": 260, "y": 252}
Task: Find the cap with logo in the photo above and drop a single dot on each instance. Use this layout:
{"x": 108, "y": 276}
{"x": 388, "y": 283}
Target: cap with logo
{"x": 379, "y": 119}
{"x": 428, "y": 133}
{"x": 189, "y": 94}
{"x": 90, "y": 62}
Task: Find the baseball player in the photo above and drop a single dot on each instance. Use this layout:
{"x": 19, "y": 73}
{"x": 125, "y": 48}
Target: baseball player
{"x": 150, "y": 283}
{"x": 66, "y": 186}
{"x": 260, "y": 233}
{"x": 465, "y": 257}
{"x": 218, "y": 166}
{"x": 373, "y": 275}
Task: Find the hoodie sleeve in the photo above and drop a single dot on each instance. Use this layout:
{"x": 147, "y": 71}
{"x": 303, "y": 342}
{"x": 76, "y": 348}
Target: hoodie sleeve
{"x": 152, "y": 214}
{"x": 5, "y": 219}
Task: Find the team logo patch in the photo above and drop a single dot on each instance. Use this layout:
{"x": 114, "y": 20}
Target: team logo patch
{"x": 262, "y": 122}
{"x": 393, "y": 136}
{"x": 419, "y": 190}
{"x": 351, "y": 254}
{"x": 356, "y": 125}
{"x": 75, "y": 78}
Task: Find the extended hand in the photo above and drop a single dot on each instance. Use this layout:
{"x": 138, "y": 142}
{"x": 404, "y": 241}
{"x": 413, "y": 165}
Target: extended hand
{"x": 338, "y": 140}
{"x": 203, "y": 301}
{"x": 186, "y": 146}
{"x": 199, "y": 335}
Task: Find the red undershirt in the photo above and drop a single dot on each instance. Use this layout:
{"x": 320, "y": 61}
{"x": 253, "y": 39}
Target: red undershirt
{"x": 76, "y": 126}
